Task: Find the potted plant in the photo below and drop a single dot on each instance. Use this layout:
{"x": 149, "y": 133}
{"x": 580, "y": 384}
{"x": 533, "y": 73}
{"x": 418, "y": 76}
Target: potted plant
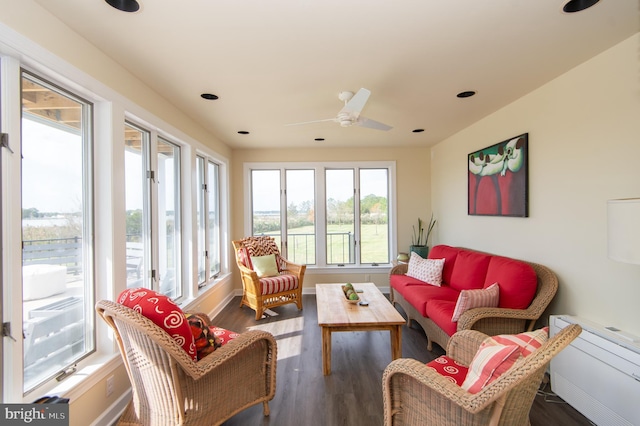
{"x": 420, "y": 237}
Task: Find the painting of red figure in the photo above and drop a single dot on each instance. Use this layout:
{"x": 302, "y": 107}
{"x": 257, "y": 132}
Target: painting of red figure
{"x": 498, "y": 179}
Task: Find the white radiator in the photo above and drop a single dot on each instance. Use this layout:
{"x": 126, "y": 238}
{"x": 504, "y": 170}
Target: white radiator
{"x": 599, "y": 373}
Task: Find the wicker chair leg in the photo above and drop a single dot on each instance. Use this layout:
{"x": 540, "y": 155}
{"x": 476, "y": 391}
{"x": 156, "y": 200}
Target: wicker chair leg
{"x": 265, "y": 409}
{"x": 429, "y": 344}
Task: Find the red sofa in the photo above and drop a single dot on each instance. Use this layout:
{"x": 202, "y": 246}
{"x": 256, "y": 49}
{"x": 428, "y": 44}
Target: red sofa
{"x": 525, "y": 290}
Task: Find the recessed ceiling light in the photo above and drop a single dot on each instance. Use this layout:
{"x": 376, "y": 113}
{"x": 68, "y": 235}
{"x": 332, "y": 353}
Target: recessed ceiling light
{"x": 578, "y": 5}
{"x": 243, "y": 132}
{"x": 466, "y": 94}
{"x": 124, "y": 5}
{"x": 209, "y": 96}
{"x": 418, "y": 130}
{"x": 319, "y": 139}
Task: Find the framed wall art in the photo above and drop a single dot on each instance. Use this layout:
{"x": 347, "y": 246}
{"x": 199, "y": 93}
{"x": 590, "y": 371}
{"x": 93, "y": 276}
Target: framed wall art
{"x": 498, "y": 179}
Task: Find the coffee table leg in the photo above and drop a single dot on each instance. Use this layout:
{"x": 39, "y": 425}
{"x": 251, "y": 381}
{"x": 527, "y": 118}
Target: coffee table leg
{"x": 396, "y": 342}
{"x": 326, "y": 351}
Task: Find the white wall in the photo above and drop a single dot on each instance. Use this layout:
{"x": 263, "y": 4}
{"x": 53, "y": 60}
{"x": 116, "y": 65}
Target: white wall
{"x": 584, "y": 148}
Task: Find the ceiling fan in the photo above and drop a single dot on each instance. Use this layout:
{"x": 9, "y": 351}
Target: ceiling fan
{"x": 349, "y": 115}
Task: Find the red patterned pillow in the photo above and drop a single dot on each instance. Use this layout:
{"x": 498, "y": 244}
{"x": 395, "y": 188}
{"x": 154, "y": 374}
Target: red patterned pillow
{"x": 163, "y": 312}
{"x": 450, "y": 369}
{"x": 225, "y": 336}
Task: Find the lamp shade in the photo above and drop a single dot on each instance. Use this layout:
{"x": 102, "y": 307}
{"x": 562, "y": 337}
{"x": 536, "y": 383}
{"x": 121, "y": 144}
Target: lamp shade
{"x": 623, "y": 230}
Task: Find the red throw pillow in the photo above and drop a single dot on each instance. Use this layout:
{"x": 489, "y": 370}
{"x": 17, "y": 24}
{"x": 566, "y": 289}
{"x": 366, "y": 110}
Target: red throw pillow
{"x": 163, "y": 312}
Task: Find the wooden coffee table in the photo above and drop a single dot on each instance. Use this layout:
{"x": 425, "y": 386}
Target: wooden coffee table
{"x": 336, "y": 314}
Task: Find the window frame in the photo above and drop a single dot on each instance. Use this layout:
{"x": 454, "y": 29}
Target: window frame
{"x": 111, "y": 110}
{"x": 320, "y": 210}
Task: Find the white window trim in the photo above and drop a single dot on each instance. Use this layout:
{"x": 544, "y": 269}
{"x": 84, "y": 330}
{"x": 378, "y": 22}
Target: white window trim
{"x": 319, "y": 167}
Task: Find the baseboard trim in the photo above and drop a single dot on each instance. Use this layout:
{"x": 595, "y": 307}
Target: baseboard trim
{"x": 111, "y": 415}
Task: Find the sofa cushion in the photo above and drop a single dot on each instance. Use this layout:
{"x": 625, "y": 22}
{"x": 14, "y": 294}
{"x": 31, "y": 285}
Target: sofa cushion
{"x": 427, "y": 270}
{"x": 400, "y": 281}
{"x": 419, "y": 295}
{"x": 440, "y": 312}
{"x": 518, "y": 281}
{"x": 449, "y": 255}
{"x": 470, "y": 270}
{"x": 450, "y": 369}
{"x": 482, "y": 298}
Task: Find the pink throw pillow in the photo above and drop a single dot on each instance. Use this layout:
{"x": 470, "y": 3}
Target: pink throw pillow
{"x": 482, "y": 298}
{"x": 528, "y": 342}
{"x": 488, "y": 364}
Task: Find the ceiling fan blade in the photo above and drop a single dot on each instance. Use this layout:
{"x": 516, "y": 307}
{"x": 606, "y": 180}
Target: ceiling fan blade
{"x": 371, "y": 124}
{"x": 310, "y": 122}
{"x": 356, "y": 103}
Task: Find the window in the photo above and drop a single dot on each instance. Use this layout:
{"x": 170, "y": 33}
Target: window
{"x": 266, "y": 203}
{"x": 349, "y": 224}
{"x": 57, "y": 254}
{"x": 153, "y": 213}
{"x": 208, "y": 218}
{"x": 213, "y": 207}
{"x": 201, "y": 219}
{"x": 169, "y": 218}
{"x": 301, "y": 233}
{"x": 137, "y": 193}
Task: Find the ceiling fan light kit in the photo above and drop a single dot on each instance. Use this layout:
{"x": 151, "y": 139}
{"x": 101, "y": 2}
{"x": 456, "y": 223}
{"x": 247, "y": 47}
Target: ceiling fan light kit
{"x": 349, "y": 115}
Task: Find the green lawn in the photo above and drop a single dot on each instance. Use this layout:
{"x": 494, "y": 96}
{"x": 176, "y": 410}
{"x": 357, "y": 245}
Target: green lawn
{"x": 374, "y": 244}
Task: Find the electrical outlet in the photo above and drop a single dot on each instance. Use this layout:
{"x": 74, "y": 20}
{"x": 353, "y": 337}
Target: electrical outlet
{"x": 110, "y": 385}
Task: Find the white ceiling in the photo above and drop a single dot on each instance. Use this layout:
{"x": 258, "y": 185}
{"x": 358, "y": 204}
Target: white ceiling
{"x": 285, "y": 61}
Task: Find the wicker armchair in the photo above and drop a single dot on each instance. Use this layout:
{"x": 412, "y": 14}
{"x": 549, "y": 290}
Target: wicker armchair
{"x": 491, "y": 321}
{"x": 415, "y": 394}
{"x": 264, "y": 293}
{"x": 169, "y": 388}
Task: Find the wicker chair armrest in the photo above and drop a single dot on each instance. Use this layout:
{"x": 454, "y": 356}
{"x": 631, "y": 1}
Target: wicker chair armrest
{"x": 294, "y": 268}
{"x": 435, "y": 390}
{"x": 246, "y": 271}
{"x": 463, "y": 345}
{"x": 248, "y": 340}
{"x": 399, "y": 269}
{"x": 470, "y": 317}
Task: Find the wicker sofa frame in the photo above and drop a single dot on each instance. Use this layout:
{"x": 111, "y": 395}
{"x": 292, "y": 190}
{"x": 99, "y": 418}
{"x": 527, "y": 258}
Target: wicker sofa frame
{"x": 490, "y": 321}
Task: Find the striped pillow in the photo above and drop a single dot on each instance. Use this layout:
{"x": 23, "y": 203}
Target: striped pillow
{"x": 482, "y": 298}
{"x": 488, "y": 364}
{"x": 528, "y": 342}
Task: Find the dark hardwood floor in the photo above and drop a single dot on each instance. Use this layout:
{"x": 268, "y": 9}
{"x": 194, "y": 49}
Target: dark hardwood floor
{"x": 352, "y": 394}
